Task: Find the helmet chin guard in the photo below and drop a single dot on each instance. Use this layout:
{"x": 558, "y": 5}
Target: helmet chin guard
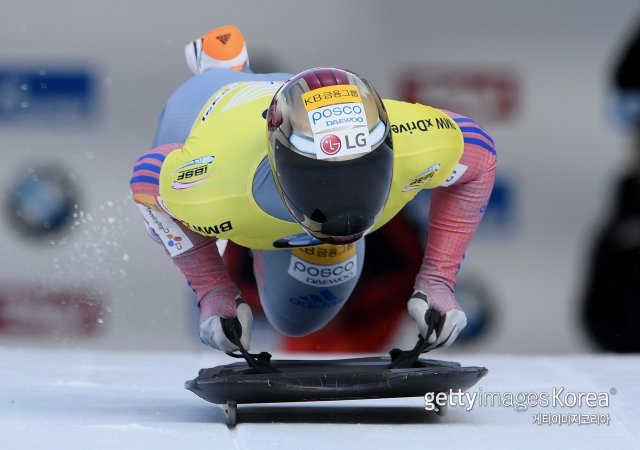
{"x": 331, "y": 152}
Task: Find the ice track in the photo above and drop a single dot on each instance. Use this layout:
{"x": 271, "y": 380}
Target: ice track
{"x": 53, "y": 399}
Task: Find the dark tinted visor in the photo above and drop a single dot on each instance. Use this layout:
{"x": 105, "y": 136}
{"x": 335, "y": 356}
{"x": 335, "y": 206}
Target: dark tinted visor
{"x": 335, "y": 198}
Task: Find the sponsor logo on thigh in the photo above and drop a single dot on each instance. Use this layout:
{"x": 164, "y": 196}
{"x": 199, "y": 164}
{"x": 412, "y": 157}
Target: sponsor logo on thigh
{"x": 323, "y": 275}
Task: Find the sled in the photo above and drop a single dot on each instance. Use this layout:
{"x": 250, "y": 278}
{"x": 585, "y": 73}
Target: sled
{"x": 259, "y": 379}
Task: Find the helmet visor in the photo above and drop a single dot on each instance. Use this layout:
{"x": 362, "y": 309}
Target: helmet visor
{"x": 335, "y": 201}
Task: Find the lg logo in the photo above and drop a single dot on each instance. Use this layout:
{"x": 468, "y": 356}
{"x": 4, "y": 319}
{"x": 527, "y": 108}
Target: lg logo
{"x": 330, "y": 144}
{"x": 341, "y": 143}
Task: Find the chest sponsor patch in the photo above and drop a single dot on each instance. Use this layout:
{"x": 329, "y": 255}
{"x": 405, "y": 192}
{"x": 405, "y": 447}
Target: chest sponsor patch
{"x": 420, "y": 179}
{"x": 192, "y": 172}
{"x": 173, "y": 238}
{"x": 323, "y": 275}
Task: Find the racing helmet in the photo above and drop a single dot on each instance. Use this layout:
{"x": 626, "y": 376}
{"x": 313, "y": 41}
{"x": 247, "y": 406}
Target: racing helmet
{"x": 331, "y": 152}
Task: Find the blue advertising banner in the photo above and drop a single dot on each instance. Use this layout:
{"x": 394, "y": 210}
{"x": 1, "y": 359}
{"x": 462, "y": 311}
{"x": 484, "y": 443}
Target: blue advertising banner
{"x": 42, "y": 97}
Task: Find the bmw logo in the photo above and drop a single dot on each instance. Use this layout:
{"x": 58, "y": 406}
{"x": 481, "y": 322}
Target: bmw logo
{"x": 41, "y": 201}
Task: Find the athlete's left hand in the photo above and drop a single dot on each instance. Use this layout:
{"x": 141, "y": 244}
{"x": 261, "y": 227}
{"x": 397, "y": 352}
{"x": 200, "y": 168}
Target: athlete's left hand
{"x": 215, "y": 330}
{"x": 448, "y": 323}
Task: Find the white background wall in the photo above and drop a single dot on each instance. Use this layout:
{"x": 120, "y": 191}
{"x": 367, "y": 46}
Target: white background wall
{"x": 562, "y": 150}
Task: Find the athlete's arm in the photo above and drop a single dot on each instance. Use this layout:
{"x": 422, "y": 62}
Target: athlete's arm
{"x": 196, "y": 256}
{"x": 455, "y": 213}
{"x": 457, "y": 206}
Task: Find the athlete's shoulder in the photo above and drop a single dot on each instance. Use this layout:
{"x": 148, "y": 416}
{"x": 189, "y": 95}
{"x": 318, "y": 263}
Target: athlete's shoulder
{"x": 235, "y": 109}
{"x": 461, "y": 119}
{"x": 145, "y": 180}
{"x": 474, "y": 135}
{"x": 399, "y": 108}
{"x": 409, "y": 117}
{"x": 211, "y": 81}
{"x": 418, "y": 127}
{"x": 402, "y": 107}
{"x": 399, "y": 105}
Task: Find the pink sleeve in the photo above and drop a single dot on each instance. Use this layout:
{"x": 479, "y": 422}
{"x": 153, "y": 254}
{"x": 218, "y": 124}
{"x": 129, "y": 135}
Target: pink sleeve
{"x": 201, "y": 264}
{"x": 455, "y": 212}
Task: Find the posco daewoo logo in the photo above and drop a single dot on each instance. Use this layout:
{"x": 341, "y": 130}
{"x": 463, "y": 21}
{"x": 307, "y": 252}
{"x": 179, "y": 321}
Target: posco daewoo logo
{"x": 331, "y": 116}
{"x": 323, "y": 275}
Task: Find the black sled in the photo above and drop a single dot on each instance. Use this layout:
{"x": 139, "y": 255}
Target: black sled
{"x": 262, "y": 380}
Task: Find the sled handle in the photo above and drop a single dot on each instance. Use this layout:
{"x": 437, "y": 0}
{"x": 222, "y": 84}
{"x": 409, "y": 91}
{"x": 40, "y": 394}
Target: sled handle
{"x": 260, "y": 362}
{"x": 402, "y": 359}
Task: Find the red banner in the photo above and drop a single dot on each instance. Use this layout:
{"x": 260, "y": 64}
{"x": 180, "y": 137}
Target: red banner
{"x": 486, "y": 94}
{"x": 30, "y": 310}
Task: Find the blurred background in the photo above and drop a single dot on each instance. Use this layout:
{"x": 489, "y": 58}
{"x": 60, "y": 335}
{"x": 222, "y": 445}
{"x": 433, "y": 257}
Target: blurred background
{"x": 82, "y": 85}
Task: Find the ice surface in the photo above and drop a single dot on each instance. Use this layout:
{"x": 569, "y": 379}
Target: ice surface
{"x": 55, "y": 399}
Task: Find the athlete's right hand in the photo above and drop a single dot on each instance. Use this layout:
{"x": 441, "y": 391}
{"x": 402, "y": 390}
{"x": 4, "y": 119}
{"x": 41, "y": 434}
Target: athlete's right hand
{"x": 443, "y": 327}
{"x": 216, "y": 331}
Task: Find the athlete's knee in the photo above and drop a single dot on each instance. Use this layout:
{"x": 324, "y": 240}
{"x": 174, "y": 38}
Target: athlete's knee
{"x": 303, "y": 314}
{"x": 293, "y": 329}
